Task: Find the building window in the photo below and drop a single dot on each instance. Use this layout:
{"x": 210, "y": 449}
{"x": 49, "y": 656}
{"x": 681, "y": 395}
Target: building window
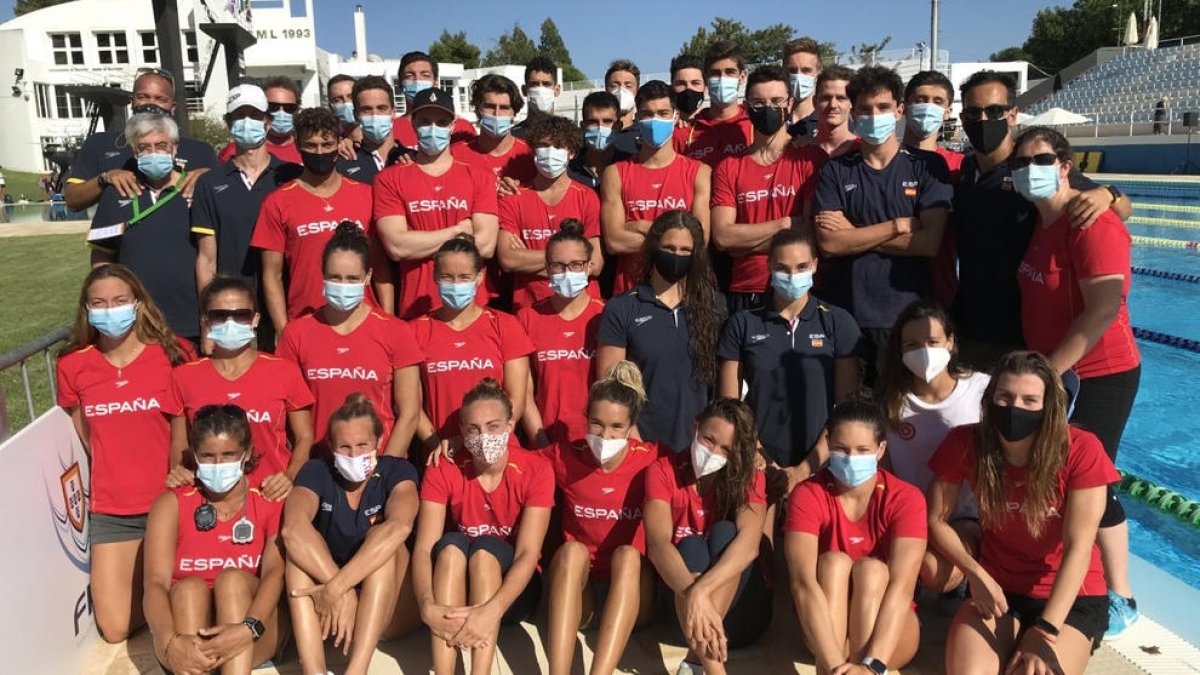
{"x": 113, "y": 48}
{"x": 149, "y": 47}
{"x": 41, "y": 92}
{"x": 192, "y": 53}
{"x": 68, "y": 105}
{"x": 67, "y": 49}
{"x": 195, "y": 102}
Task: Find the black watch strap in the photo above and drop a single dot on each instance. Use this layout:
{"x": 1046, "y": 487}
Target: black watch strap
{"x": 102, "y": 179}
{"x": 257, "y": 629}
{"x": 1045, "y": 626}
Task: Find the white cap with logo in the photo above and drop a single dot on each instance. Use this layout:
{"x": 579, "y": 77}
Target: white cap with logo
{"x": 247, "y": 95}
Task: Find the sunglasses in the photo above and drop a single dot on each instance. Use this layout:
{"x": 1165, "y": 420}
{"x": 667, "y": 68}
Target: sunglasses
{"x": 215, "y": 316}
{"x": 289, "y": 108}
{"x": 993, "y": 112}
{"x": 1041, "y": 159}
{"x": 155, "y": 71}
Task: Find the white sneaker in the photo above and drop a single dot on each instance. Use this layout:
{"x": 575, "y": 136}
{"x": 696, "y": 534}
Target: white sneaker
{"x": 689, "y": 668}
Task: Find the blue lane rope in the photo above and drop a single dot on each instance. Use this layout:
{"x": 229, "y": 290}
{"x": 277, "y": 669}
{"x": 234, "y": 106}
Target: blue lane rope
{"x": 1163, "y": 274}
{"x": 1186, "y": 344}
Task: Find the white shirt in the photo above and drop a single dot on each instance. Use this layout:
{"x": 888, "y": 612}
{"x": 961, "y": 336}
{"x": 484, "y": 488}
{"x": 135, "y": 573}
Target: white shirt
{"x": 923, "y": 427}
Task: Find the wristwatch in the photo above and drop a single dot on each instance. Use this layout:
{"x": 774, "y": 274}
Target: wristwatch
{"x": 1116, "y": 194}
{"x": 102, "y": 179}
{"x": 878, "y": 667}
{"x": 1046, "y": 627}
{"x": 257, "y": 629}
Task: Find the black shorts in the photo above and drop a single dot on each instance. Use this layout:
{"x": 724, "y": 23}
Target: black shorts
{"x": 1088, "y": 615}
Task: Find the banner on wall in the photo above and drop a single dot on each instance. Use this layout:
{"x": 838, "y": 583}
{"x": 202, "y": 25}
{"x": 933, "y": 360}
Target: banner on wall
{"x": 47, "y": 626}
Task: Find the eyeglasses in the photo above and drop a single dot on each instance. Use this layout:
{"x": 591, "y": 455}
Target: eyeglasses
{"x": 993, "y": 112}
{"x": 760, "y": 103}
{"x": 166, "y": 74}
{"x": 245, "y": 316}
{"x": 289, "y": 108}
{"x": 573, "y": 266}
{"x": 1041, "y": 159}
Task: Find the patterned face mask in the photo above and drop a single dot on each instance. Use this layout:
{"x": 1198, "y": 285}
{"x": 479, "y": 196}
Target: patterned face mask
{"x": 487, "y": 448}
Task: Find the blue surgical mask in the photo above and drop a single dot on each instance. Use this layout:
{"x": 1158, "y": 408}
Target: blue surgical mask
{"x": 344, "y": 112}
{"x": 656, "y": 131}
{"x": 875, "y": 129}
{"x": 344, "y": 296}
{"x": 598, "y": 137}
{"x": 1036, "y": 183}
{"x": 219, "y": 478}
{"x": 376, "y": 128}
{"x": 925, "y": 118}
{"x": 801, "y": 85}
{"x": 231, "y": 335}
{"x": 433, "y": 139}
{"x": 791, "y": 286}
{"x": 550, "y": 162}
{"x": 281, "y": 122}
{"x": 495, "y": 126}
{"x": 411, "y": 89}
{"x": 113, "y": 322}
{"x": 852, "y": 470}
{"x": 248, "y": 133}
{"x": 457, "y": 294}
{"x": 723, "y": 90}
{"x": 156, "y": 165}
{"x": 568, "y": 284}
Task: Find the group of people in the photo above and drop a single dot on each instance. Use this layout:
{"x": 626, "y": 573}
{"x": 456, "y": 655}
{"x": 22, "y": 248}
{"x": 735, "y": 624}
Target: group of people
{"x": 394, "y": 370}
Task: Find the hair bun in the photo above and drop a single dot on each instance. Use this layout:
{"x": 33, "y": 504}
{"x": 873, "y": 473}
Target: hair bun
{"x": 348, "y": 227}
{"x": 627, "y": 374}
{"x": 571, "y": 226}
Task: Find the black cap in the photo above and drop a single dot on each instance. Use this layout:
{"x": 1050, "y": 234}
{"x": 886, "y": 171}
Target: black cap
{"x": 433, "y": 97}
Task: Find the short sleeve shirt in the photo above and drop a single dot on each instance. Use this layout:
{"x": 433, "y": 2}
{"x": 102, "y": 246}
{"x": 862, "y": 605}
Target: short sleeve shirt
{"x": 517, "y": 163}
{"x": 562, "y": 366}
{"x": 368, "y": 163}
{"x": 672, "y": 479}
{"x": 526, "y": 216}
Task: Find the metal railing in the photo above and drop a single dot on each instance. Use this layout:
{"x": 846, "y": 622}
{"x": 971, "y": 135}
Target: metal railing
{"x": 1136, "y": 122}
{"x": 20, "y": 357}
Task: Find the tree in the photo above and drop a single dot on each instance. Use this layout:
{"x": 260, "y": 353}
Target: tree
{"x": 27, "y": 6}
{"x": 764, "y": 45}
{"x": 455, "y": 48}
{"x": 1010, "y": 54}
{"x": 867, "y": 52}
{"x": 551, "y": 46}
{"x": 208, "y": 130}
{"x": 513, "y": 47}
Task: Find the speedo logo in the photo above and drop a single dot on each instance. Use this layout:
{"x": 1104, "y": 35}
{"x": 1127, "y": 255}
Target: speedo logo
{"x": 459, "y": 364}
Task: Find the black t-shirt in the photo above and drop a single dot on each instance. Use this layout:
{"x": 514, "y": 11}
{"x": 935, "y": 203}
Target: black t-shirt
{"x": 875, "y": 286}
{"x": 106, "y": 150}
{"x": 992, "y": 225}
{"x": 343, "y": 528}
{"x": 804, "y": 127}
{"x": 364, "y": 167}
{"x": 579, "y": 171}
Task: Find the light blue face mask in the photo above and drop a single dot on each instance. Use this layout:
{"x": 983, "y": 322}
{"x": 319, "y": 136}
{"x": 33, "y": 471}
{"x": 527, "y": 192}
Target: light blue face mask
{"x": 925, "y": 118}
{"x": 248, "y": 133}
{"x": 495, "y": 126}
{"x": 376, "y": 128}
{"x": 457, "y": 295}
{"x": 1036, "y": 183}
{"x": 411, "y": 89}
{"x": 219, "y": 478}
{"x": 791, "y": 286}
{"x": 113, "y": 322}
{"x": 852, "y": 470}
{"x": 723, "y": 90}
{"x": 656, "y": 131}
{"x": 156, "y": 165}
{"x": 432, "y": 139}
{"x": 801, "y": 85}
{"x": 568, "y": 284}
{"x": 598, "y": 137}
{"x": 550, "y": 162}
{"x": 231, "y": 335}
{"x": 875, "y": 129}
{"x": 344, "y": 296}
{"x": 344, "y": 111}
{"x": 281, "y": 122}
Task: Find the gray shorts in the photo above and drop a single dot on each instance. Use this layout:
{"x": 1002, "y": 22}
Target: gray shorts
{"x": 106, "y": 529}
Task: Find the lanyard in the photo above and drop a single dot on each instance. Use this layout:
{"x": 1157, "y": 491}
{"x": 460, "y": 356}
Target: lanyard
{"x": 139, "y": 215}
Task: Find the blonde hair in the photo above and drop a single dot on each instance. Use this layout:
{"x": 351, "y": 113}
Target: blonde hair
{"x": 622, "y": 384}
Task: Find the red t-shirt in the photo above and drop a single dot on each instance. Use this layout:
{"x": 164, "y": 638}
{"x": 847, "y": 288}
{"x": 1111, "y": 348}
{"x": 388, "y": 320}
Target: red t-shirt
{"x": 896, "y": 510}
{"x": 1058, "y": 258}
{"x": 602, "y": 510}
{"x": 647, "y": 194}
{"x": 285, "y": 153}
{"x": 455, "y": 361}
{"x": 671, "y": 479}
{"x": 759, "y": 194}
{"x": 336, "y": 365}
{"x": 207, "y": 554}
{"x": 129, "y": 435}
{"x": 1017, "y": 561}
{"x": 527, "y": 481}
{"x": 526, "y": 216}
{"x": 268, "y": 391}
{"x": 430, "y": 203}
{"x": 298, "y": 224}
{"x": 711, "y": 140}
{"x": 562, "y": 366}
{"x": 406, "y": 135}
{"x": 517, "y": 163}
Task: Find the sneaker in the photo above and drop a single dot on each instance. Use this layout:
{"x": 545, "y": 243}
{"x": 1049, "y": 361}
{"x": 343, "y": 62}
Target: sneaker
{"x": 689, "y": 668}
{"x": 1122, "y": 613}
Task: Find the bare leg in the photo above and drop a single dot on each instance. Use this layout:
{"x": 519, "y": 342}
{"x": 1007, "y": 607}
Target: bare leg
{"x": 191, "y": 605}
{"x": 485, "y": 579}
{"x": 868, "y": 580}
{"x": 376, "y": 604}
{"x": 978, "y": 646}
{"x": 722, "y": 599}
{"x": 233, "y": 591}
{"x": 1074, "y": 649}
{"x": 449, "y": 589}
{"x": 407, "y": 616}
{"x": 938, "y": 574}
{"x": 833, "y": 574}
{"x": 116, "y": 581}
{"x": 306, "y": 626}
{"x": 621, "y": 609}
{"x": 1114, "y": 553}
{"x": 568, "y": 580}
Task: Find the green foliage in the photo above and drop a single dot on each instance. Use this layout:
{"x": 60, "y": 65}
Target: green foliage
{"x": 551, "y": 45}
{"x": 1010, "y": 54}
{"x": 513, "y": 47}
{"x": 867, "y": 52}
{"x": 764, "y": 45}
{"x": 27, "y": 6}
{"x": 455, "y": 48}
{"x": 208, "y": 130}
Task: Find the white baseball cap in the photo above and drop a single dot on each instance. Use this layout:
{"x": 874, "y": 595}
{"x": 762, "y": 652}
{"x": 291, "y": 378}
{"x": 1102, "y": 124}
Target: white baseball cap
{"x": 247, "y": 95}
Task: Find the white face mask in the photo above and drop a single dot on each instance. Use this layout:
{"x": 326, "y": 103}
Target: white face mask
{"x": 704, "y": 461}
{"x": 487, "y": 448}
{"x": 541, "y": 98}
{"x": 604, "y": 449}
{"x": 355, "y": 469}
{"x": 625, "y": 100}
{"x": 927, "y": 362}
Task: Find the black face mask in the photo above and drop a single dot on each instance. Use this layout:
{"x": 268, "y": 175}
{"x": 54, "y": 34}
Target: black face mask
{"x": 149, "y": 108}
{"x": 1015, "y": 424}
{"x": 320, "y": 163}
{"x": 986, "y": 135}
{"x": 688, "y": 100}
{"x": 671, "y": 267}
{"x": 765, "y": 121}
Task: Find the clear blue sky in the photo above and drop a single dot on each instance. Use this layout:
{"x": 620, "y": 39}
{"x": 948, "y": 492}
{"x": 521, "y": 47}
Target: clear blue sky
{"x": 651, "y": 31}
